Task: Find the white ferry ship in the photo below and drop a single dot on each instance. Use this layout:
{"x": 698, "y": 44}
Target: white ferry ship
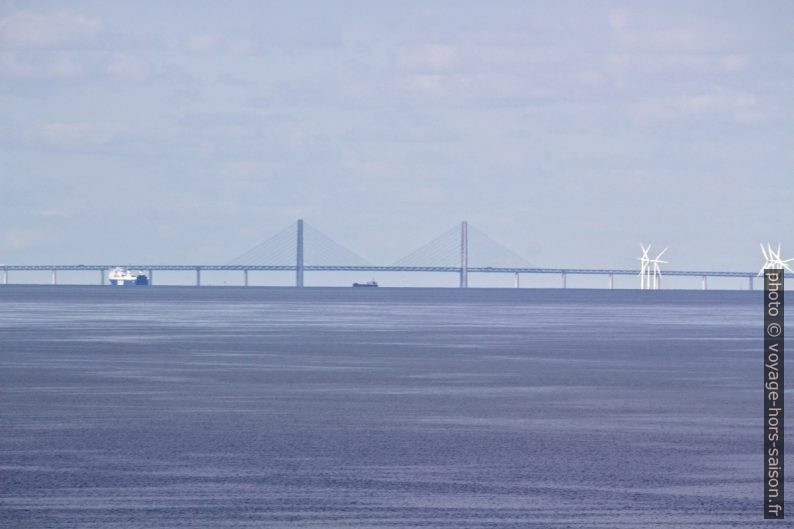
{"x": 123, "y": 277}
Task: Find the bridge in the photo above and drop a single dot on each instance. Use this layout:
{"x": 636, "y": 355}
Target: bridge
{"x": 300, "y": 248}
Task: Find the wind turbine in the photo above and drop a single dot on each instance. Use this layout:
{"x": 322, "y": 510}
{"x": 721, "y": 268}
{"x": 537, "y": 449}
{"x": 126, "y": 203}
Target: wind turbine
{"x": 657, "y": 272}
{"x": 644, "y": 261}
{"x": 773, "y": 260}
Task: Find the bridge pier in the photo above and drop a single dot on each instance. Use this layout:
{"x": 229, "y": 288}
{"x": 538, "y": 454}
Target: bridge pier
{"x": 750, "y": 286}
{"x": 564, "y": 280}
{"x": 54, "y": 277}
{"x": 705, "y": 282}
{"x": 5, "y": 276}
{"x": 518, "y": 280}
{"x": 611, "y": 281}
{"x": 151, "y": 277}
{"x": 102, "y": 277}
{"x": 198, "y": 276}
{"x": 245, "y": 277}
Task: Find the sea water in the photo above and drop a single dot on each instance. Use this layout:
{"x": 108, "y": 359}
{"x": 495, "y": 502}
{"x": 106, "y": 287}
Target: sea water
{"x": 214, "y": 407}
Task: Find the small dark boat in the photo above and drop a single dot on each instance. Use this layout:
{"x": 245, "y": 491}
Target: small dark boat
{"x": 367, "y": 284}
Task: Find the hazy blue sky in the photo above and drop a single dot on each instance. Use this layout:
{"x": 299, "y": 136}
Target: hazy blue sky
{"x": 570, "y": 131}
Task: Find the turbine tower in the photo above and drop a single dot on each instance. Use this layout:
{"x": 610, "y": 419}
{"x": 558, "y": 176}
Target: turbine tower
{"x": 657, "y": 272}
{"x": 644, "y": 260}
{"x": 772, "y": 259}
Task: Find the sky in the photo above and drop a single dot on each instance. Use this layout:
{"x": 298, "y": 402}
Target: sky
{"x": 571, "y": 132}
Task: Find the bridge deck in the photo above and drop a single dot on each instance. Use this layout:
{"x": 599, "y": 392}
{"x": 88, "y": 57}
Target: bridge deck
{"x": 372, "y": 268}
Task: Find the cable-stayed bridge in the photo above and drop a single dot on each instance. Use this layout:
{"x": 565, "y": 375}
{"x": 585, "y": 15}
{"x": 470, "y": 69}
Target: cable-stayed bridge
{"x": 301, "y": 248}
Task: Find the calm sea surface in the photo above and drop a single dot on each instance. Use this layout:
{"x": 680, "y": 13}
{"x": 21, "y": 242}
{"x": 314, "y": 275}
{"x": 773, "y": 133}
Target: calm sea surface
{"x": 218, "y": 407}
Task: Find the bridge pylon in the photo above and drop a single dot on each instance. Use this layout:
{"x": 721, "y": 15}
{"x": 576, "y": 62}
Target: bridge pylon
{"x": 464, "y": 254}
{"x": 299, "y": 255}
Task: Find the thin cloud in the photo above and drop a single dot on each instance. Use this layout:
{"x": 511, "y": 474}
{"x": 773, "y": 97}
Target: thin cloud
{"x": 28, "y": 29}
{"x": 24, "y": 65}
{"x": 129, "y": 68}
{"x": 716, "y": 103}
{"x": 77, "y": 134}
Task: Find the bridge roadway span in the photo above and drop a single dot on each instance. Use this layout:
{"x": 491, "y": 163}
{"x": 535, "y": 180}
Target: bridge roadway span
{"x": 198, "y": 269}
{"x": 342, "y": 268}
